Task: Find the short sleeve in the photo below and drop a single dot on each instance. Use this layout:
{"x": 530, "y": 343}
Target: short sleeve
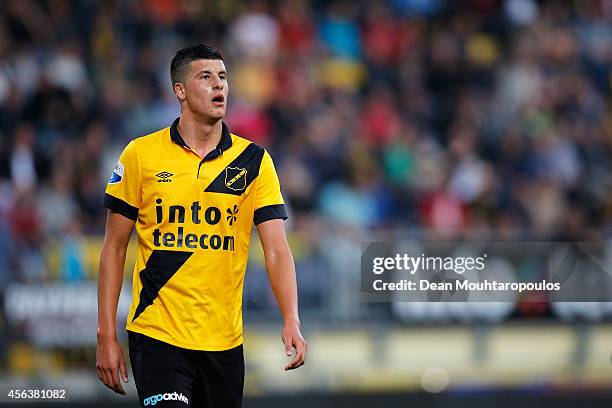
{"x": 123, "y": 192}
{"x": 269, "y": 203}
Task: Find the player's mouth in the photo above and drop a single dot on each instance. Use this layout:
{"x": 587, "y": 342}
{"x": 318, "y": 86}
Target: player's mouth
{"x": 218, "y": 100}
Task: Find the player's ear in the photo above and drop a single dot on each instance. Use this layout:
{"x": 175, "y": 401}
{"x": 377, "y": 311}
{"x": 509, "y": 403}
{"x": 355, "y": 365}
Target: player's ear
{"x": 179, "y": 91}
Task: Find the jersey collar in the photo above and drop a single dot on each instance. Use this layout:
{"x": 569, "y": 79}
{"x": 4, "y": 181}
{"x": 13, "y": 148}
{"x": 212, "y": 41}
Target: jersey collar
{"x": 224, "y": 144}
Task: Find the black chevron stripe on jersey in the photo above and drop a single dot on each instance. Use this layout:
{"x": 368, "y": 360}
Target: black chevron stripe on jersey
{"x": 230, "y": 181}
{"x": 161, "y": 266}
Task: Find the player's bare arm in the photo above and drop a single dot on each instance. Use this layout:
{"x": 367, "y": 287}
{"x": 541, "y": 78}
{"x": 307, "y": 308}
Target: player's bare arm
{"x": 110, "y": 362}
{"x": 281, "y": 272}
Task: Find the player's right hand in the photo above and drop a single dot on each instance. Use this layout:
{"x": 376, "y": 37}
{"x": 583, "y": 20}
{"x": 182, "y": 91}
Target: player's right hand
{"x": 110, "y": 364}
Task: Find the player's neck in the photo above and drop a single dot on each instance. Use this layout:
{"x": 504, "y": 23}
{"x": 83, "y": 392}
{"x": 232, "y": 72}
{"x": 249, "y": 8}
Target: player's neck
{"x": 203, "y": 137}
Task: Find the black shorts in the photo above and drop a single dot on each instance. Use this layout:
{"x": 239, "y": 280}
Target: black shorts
{"x": 170, "y": 376}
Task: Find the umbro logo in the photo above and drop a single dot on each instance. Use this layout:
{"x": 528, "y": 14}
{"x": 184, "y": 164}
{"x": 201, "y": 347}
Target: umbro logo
{"x": 164, "y": 177}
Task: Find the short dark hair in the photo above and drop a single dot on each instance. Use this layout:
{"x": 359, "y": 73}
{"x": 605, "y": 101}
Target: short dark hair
{"x": 184, "y": 56}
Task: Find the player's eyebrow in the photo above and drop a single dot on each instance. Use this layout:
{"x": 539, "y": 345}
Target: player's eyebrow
{"x": 205, "y": 71}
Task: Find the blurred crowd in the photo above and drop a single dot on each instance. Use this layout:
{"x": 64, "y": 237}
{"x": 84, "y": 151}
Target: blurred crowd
{"x": 472, "y": 119}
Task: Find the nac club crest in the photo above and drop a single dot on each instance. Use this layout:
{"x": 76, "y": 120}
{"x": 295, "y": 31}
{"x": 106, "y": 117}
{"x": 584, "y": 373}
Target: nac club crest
{"x": 235, "y": 178}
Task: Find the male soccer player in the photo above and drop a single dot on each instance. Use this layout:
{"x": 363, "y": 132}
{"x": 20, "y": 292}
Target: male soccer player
{"x": 193, "y": 190}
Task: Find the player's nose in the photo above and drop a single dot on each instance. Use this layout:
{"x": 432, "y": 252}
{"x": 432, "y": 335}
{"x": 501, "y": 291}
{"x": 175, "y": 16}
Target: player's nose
{"x": 218, "y": 85}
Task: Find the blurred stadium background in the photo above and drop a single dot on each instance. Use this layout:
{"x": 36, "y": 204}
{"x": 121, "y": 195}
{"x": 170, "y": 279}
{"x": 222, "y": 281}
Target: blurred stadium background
{"x": 427, "y": 119}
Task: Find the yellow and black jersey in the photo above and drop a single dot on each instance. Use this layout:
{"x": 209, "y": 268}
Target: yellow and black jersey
{"x": 194, "y": 218}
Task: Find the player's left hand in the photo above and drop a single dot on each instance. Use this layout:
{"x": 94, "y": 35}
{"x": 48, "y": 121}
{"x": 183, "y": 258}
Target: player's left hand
{"x": 293, "y": 339}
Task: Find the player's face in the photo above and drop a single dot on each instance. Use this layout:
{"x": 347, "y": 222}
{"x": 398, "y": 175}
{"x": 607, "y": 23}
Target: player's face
{"x": 206, "y": 88}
